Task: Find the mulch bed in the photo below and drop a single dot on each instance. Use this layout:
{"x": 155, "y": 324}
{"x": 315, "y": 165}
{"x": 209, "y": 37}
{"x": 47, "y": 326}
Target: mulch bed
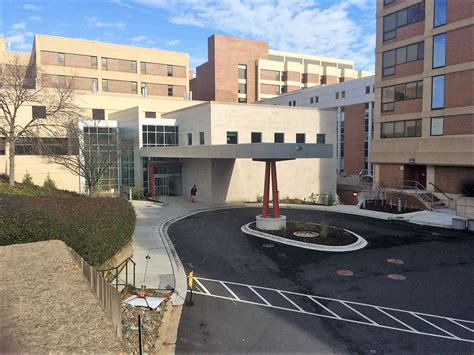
{"x": 328, "y": 235}
{"x": 383, "y": 206}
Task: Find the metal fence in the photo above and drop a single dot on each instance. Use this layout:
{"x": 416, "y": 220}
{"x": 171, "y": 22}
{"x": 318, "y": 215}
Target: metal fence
{"x": 107, "y": 295}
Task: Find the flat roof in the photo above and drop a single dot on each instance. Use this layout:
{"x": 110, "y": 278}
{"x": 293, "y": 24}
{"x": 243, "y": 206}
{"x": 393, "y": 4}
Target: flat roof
{"x": 256, "y": 151}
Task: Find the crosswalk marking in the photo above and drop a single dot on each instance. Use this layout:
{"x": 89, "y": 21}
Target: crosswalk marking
{"x": 458, "y": 332}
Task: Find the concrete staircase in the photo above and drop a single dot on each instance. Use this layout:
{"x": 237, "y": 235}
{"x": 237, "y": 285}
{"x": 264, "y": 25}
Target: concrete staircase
{"x": 430, "y": 200}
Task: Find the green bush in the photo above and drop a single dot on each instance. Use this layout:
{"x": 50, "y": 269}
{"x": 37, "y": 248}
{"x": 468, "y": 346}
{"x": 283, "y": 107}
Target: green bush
{"x": 27, "y": 179}
{"x": 49, "y": 183}
{"x": 96, "y": 228}
{"x": 137, "y": 193}
{"x": 467, "y": 188}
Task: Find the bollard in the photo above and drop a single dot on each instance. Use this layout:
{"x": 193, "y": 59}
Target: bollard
{"x": 190, "y": 285}
{"x": 399, "y": 205}
{"x": 130, "y": 194}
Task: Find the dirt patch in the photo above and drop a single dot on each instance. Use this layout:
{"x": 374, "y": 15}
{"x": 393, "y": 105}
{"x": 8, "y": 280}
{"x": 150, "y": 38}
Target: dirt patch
{"x": 384, "y": 206}
{"x": 326, "y": 234}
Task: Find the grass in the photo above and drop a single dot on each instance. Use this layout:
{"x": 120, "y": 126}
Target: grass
{"x": 96, "y": 228}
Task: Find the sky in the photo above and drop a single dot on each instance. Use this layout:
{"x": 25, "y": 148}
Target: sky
{"x": 335, "y": 28}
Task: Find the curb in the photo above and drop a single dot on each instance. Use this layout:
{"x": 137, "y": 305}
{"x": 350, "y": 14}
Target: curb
{"x": 359, "y": 244}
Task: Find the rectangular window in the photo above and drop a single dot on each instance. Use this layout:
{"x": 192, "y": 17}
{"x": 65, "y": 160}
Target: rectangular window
{"x": 242, "y": 100}
{"x": 134, "y": 87}
{"x": 316, "y": 99}
{"x": 279, "y": 138}
{"x": 402, "y": 92}
{"x": 242, "y": 71}
{"x": 143, "y": 67}
{"x": 311, "y": 100}
{"x": 300, "y": 138}
{"x": 38, "y": 112}
{"x": 150, "y": 114}
{"x": 437, "y": 126}
{"x": 321, "y": 138}
{"x": 367, "y": 89}
{"x": 169, "y": 70}
{"x": 98, "y": 114}
{"x": 105, "y": 85}
{"x": 201, "y": 138}
{"x": 133, "y": 66}
{"x": 401, "y": 18}
{"x": 437, "y": 98}
{"x": 256, "y": 137}
{"x": 190, "y": 139}
{"x": 62, "y": 81}
{"x": 242, "y": 88}
{"x": 232, "y": 138}
{"x": 93, "y": 62}
{"x": 401, "y": 55}
{"x": 294, "y": 102}
{"x": 439, "y": 50}
{"x": 439, "y": 12}
{"x": 61, "y": 59}
{"x": 170, "y": 90}
{"x": 94, "y": 85}
{"x": 337, "y": 95}
{"x": 103, "y": 62}
{"x": 401, "y": 129}
{"x": 343, "y": 94}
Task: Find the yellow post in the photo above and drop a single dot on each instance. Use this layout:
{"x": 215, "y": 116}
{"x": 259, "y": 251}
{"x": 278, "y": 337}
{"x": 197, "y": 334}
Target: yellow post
{"x": 190, "y": 285}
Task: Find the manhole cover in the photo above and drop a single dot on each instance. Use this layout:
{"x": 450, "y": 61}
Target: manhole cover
{"x": 397, "y": 277}
{"x": 267, "y": 245}
{"x": 395, "y": 261}
{"x": 305, "y": 234}
{"x": 344, "y": 273}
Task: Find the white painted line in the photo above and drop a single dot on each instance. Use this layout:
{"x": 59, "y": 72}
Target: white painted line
{"x": 463, "y": 326}
{"x": 360, "y": 314}
{"x": 396, "y": 319}
{"x": 229, "y": 290}
{"x": 323, "y": 306}
{"x": 434, "y": 325}
{"x": 202, "y": 286}
{"x": 293, "y": 303}
{"x": 260, "y": 296}
{"x": 341, "y": 319}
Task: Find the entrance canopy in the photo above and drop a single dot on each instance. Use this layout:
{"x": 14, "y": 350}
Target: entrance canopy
{"x": 256, "y": 151}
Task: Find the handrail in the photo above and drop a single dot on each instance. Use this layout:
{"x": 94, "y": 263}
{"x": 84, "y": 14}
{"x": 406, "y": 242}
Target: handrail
{"x": 436, "y": 187}
{"x": 118, "y": 269}
{"x": 118, "y": 266}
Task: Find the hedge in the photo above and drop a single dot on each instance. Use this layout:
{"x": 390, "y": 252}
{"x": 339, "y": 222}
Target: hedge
{"x": 96, "y": 228}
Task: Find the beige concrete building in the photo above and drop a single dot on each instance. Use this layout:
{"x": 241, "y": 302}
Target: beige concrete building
{"x": 424, "y": 101}
{"x": 244, "y": 70}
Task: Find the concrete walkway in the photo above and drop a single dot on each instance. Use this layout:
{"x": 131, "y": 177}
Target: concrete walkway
{"x": 163, "y": 269}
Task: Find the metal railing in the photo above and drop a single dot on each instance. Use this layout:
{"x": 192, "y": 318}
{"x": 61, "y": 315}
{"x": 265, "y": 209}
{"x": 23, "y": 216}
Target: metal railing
{"x": 439, "y": 190}
{"x": 116, "y": 271}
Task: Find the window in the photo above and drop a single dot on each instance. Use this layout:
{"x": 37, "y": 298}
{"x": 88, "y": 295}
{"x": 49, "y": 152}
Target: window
{"x": 439, "y": 50}
{"x": 242, "y": 88}
{"x": 150, "y": 114}
{"x": 437, "y": 92}
{"x": 201, "y": 138}
{"x": 169, "y": 70}
{"x": 38, "y": 112}
{"x": 62, "y": 81}
{"x": 279, "y": 138}
{"x": 242, "y": 71}
{"x": 256, "y": 137}
{"x": 103, "y": 62}
{"x": 232, "y": 138}
{"x": 294, "y": 102}
{"x": 311, "y": 100}
{"x": 387, "y": 2}
{"x": 2, "y": 146}
{"x": 94, "y": 85}
{"x": 401, "y": 129}
{"x": 437, "y": 126}
{"x": 367, "y": 89}
{"x": 190, "y": 139}
{"x": 289, "y": 103}
{"x": 143, "y": 67}
{"x": 316, "y": 99}
{"x": 133, "y": 66}
{"x": 321, "y": 138}
{"x": 170, "y": 90}
{"x": 98, "y": 114}
{"x": 300, "y": 138}
{"x": 401, "y": 18}
{"x": 337, "y": 95}
{"x": 402, "y": 92}
{"x": 343, "y": 94}
{"x": 439, "y": 13}
{"x": 242, "y": 100}
{"x": 93, "y": 62}
{"x": 400, "y": 56}
{"x": 134, "y": 87}
{"x": 105, "y": 85}
{"x": 144, "y": 90}
{"x": 61, "y": 59}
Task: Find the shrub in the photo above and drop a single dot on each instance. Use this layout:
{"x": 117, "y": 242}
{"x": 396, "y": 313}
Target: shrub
{"x": 96, "y": 228}
{"x": 313, "y": 198}
{"x": 137, "y": 193}
{"x": 49, "y": 183}
{"x": 259, "y": 198}
{"x": 27, "y": 179}
{"x": 330, "y": 199}
{"x": 467, "y": 188}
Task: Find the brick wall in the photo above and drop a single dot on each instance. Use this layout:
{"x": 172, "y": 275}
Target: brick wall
{"x": 120, "y": 86}
{"x": 157, "y": 89}
{"x": 449, "y": 178}
{"x": 119, "y": 65}
{"x": 156, "y": 69}
{"x": 459, "y": 9}
{"x": 459, "y": 88}
{"x": 389, "y": 173}
{"x": 269, "y": 89}
{"x": 354, "y": 116}
{"x": 292, "y": 76}
{"x": 409, "y": 31}
{"x": 460, "y": 124}
{"x": 203, "y": 83}
{"x": 311, "y": 78}
{"x": 76, "y": 60}
{"x": 292, "y": 88}
{"x": 269, "y": 74}
{"x": 179, "y": 91}
{"x": 179, "y": 71}
{"x": 330, "y": 79}
{"x": 407, "y": 106}
{"x": 50, "y": 58}
{"x": 406, "y": 69}
{"x": 458, "y": 48}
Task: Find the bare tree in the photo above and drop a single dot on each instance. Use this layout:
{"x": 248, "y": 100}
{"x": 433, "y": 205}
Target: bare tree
{"x": 19, "y": 87}
{"x": 84, "y": 148}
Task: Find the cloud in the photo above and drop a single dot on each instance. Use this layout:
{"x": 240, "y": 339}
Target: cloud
{"x": 171, "y": 42}
{"x": 35, "y": 18}
{"x": 139, "y": 39}
{"x": 94, "y": 22}
{"x": 19, "y": 26}
{"x": 145, "y": 40}
{"x": 128, "y": 5}
{"x": 339, "y": 28}
{"x": 20, "y": 41}
{"x": 31, "y": 7}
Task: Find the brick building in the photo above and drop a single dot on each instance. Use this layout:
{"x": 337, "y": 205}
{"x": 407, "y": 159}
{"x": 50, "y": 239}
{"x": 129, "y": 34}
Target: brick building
{"x": 424, "y": 101}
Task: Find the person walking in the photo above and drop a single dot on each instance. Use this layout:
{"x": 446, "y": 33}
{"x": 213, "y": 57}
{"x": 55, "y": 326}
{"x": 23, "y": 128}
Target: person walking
{"x": 193, "y": 193}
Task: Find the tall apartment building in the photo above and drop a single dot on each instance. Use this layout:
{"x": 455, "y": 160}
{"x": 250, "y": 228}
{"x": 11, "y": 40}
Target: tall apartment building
{"x": 424, "y": 99}
{"x": 244, "y": 70}
{"x": 354, "y": 102}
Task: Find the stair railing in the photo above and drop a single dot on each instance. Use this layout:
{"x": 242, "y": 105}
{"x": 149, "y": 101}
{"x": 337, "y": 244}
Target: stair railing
{"x": 439, "y": 190}
{"x": 118, "y": 269}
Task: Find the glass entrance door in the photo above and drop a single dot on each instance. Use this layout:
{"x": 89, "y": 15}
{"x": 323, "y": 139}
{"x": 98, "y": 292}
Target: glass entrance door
{"x": 162, "y": 186}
